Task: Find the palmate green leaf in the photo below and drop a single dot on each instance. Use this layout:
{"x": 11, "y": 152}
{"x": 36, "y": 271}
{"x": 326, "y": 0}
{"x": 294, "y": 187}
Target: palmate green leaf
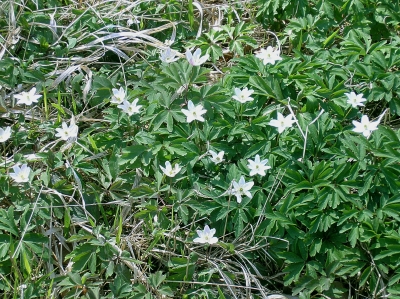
{"x": 4, "y": 245}
{"x": 324, "y": 198}
{"x": 322, "y": 222}
{"x": 178, "y": 74}
{"x": 142, "y": 191}
{"x": 256, "y": 148}
{"x": 175, "y": 149}
{"x": 114, "y": 163}
{"x": 26, "y": 260}
{"x": 391, "y": 178}
{"x": 354, "y": 235}
{"x": 84, "y": 255}
{"x": 156, "y": 279}
{"x": 347, "y": 214}
{"x": 385, "y": 253}
{"x": 183, "y": 213}
{"x": 315, "y": 246}
{"x": 280, "y": 218}
{"x": 395, "y": 278}
{"x": 7, "y": 222}
{"x": 159, "y": 119}
{"x": 262, "y": 86}
{"x": 100, "y": 82}
{"x": 239, "y": 226}
{"x": 290, "y": 257}
{"x": 222, "y": 214}
{"x": 215, "y": 52}
{"x": 145, "y": 138}
{"x": 182, "y": 269}
{"x": 304, "y": 185}
{"x": 351, "y": 267}
{"x": 120, "y": 287}
{"x": 294, "y": 271}
{"x": 133, "y": 152}
{"x": 205, "y": 208}
{"x": 36, "y": 243}
{"x": 192, "y": 147}
{"x": 394, "y": 292}
{"x": 322, "y": 171}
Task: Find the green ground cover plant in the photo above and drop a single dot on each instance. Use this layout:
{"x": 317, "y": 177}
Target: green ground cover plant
{"x": 184, "y": 149}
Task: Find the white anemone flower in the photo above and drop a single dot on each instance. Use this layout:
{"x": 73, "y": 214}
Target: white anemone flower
{"x": 169, "y": 171}
{"x": 130, "y": 108}
{"x": 355, "y": 100}
{"x": 133, "y": 20}
{"x": 168, "y": 55}
{"x": 243, "y": 95}
{"x": 365, "y": 126}
{"x": 282, "y": 122}
{"x": 118, "y": 96}
{"x": 27, "y": 98}
{"x": 241, "y": 188}
{"x": 21, "y": 174}
{"x": 269, "y": 55}
{"x": 195, "y": 58}
{"x": 257, "y": 166}
{"x": 217, "y": 158}
{"x": 194, "y": 112}
{"x": 206, "y": 236}
{"x": 5, "y": 134}
{"x": 67, "y": 132}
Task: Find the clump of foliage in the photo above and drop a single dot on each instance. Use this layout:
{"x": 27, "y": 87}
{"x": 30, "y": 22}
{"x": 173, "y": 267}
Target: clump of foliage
{"x": 265, "y": 162}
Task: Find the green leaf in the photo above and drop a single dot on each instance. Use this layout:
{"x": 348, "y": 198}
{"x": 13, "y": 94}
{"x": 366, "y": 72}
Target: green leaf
{"x": 261, "y": 86}
{"x": 114, "y": 164}
{"x": 7, "y": 222}
{"x": 385, "y": 253}
{"x": 26, "y": 261}
{"x": 156, "y": 279}
{"x": 133, "y": 152}
{"x": 142, "y": 191}
{"x": 290, "y": 257}
{"x": 354, "y": 236}
{"x": 294, "y": 271}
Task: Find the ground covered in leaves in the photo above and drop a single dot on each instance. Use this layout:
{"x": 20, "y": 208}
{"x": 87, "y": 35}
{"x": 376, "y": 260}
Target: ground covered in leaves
{"x": 184, "y": 149}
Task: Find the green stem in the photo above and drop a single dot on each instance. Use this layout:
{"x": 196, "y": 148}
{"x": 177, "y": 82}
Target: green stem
{"x": 348, "y": 111}
{"x": 46, "y": 107}
{"x": 5, "y": 157}
{"x": 197, "y": 137}
{"x": 169, "y": 192}
{"x": 129, "y": 128}
{"x": 59, "y": 105}
{"x": 226, "y": 219}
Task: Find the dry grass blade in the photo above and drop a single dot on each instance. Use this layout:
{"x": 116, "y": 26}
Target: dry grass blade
{"x": 88, "y": 84}
{"x": 65, "y": 74}
{"x": 228, "y": 282}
